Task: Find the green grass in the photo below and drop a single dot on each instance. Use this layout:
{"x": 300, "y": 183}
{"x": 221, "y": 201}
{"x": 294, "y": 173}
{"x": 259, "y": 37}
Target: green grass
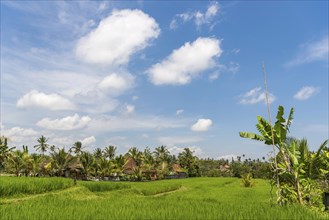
{"x": 193, "y": 198}
{"x": 25, "y": 185}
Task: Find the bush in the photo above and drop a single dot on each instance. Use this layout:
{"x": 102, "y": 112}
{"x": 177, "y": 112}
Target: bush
{"x": 247, "y": 180}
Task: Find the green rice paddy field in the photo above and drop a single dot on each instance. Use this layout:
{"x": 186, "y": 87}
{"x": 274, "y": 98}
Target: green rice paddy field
{"x": 192, "y": 198}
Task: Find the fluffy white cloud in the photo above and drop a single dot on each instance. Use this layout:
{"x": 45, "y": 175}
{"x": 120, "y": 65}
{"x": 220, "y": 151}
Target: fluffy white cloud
{"x": 306, "y": 92}
{"x": 48, "y": 101}
{"x": 199, "y": 18}
{"x": 117, "y": 37}
{"x": 202, "y": 125}
{"x": 256, "y": 95}
{"x": 314, "y": 51}
{"x": 116, "y": 84}
{"x": 88, "y": 141}
{"x": 66, "y": 123}
{"x": 185, "y": 63}
{"x": 18, "y": 136}
{"x": 18, "y": 131}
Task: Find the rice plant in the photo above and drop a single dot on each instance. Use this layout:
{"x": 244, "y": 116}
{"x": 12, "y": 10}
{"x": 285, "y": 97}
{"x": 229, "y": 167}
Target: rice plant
{"x": 202, "y": 198}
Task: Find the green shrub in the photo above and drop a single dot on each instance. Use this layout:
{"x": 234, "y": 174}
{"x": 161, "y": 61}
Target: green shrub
{"x": 247, "y": 180}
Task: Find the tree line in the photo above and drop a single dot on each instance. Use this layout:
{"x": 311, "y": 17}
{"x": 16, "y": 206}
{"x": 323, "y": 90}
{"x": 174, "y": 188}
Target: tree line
{"x": 101, "y": 163}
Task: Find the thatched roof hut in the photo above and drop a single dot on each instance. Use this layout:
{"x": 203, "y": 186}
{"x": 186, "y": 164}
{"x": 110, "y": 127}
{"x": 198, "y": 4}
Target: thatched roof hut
{"x": 177, "y": 168}
{"x": 129, "y": 166}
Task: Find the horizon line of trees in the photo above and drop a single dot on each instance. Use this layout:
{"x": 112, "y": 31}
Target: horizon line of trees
{"x": 105, "y": 162}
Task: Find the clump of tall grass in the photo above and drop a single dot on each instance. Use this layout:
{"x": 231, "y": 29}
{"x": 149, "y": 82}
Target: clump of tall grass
{"x": 28, "y": 185}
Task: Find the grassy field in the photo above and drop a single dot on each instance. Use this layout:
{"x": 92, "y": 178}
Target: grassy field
{"x": 193, "y": 198}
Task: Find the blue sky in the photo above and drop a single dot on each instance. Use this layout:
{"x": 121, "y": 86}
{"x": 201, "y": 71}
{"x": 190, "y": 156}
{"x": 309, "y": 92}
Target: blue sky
{"x": 150, "y": 73}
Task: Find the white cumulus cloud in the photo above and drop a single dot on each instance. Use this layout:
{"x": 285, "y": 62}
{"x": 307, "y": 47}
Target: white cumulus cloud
{"x": 18, "y": 131}
{"x": 48, "y": 101}
{"x": 306, "y": 92}
{"x": 202, "y": 125}
{"x": 66, "y": 123}
{"x": 18, "y": 136}
{"x": 256, "y": 95}
{"x": 185, "y": 63}
{"x": 117, "y": 37}
{"x": 115, "y": 84}
{"x": 88, "y": 141}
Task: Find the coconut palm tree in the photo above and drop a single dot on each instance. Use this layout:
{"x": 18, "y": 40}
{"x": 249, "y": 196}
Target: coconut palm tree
{"x": 42, "y": 146}
{"x": 188, "y": 161}
{"x": 118, "y": 164}
{"x": 148, "y": 162}
{"x": 77, "y": 148}
{"x": 109, "y": 152}
{"x": 135, "y": 154}
{"x": 5, "y": 151}
{"x": 34, "y": 164}
{"x": 98, "y": 153}
{"x": 87, "y": 160}
{"x": 161, "y": 154}
{"x": 104, "y": 167}
{"x": 18, "y": 162}
{"x": 60, "y": 161}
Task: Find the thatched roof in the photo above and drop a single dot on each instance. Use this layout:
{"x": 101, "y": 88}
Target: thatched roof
{"x": 130, "y": 164}
{"x": 176, "y": 168}
{"x": 75, "y": 166}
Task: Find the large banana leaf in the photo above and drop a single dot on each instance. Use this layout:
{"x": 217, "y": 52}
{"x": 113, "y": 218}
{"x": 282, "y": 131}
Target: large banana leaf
{"x": 290, "y": 118}
{"x": 251, "y": 135}
{"x": 265, "y": 129}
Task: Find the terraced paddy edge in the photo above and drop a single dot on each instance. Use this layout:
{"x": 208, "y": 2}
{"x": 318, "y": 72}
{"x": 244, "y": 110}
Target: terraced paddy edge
{"x": 194, "y": 198}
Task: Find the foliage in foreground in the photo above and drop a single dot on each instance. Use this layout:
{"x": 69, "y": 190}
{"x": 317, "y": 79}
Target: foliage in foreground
{"x": 298, "y": 173}
{"x": 193, "y": 198}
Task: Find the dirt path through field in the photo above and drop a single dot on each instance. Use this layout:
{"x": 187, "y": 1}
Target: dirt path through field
{"x": 170, "y": 192}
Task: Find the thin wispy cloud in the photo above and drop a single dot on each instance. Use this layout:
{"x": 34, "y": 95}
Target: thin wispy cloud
{"x": 311, "y": 52}
{"x": 256, "y": 95}
{"x": 116, "y": 84}
{"x": 198, "y": 17}
{"x": 306, "y": 92}
{"x": 178, "y": 140}
{"x": 179, "y": 111}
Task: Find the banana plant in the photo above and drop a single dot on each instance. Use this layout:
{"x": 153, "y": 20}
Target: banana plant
{"x": 276, "y": 136}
